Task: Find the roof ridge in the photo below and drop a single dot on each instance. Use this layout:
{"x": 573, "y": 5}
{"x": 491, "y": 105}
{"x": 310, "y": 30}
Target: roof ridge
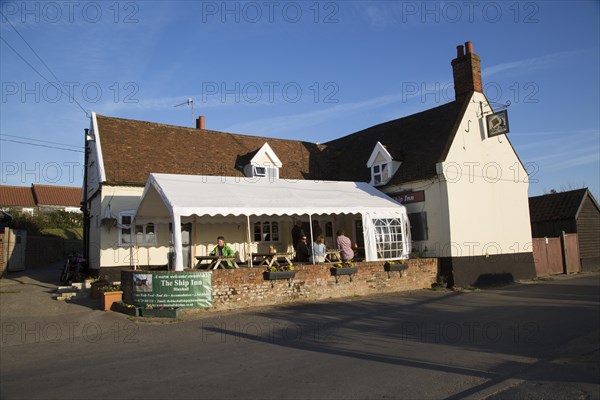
{"x": 567, "y": 192}
{"x": 418, "y": 114}
{"x": 195, "y": 130}
{"x": 56, "y": 186}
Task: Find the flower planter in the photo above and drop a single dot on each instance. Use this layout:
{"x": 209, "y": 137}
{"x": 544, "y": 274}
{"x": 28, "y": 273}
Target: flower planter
{"x": 344, "y": 271}
{"x": 95, "y": 291}
{"x": 109, "y": 298}
{"x": 269, "y": 276}
{"x": 395, "y": 267}
{"x": 125, "y": 308}
{"x": 160, "y": 312}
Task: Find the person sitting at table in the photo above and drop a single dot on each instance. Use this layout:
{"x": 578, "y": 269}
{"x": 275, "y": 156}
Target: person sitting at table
{"x": 345, "y": 245}
{"x": 302, "y": 252}
{"x": 319, "y": 249}
{"x": 222, "y": 249}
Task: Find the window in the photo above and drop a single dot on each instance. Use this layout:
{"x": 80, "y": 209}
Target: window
{"x": 125, "y": 227}
{"x": 259, "y": 171}
{"x": 267, "y": 231}
{"x": 144, "y": 234}
{"x": 271, "y": 172}
{"x": 380, "y": 174}
{"x": 389, "y": 238}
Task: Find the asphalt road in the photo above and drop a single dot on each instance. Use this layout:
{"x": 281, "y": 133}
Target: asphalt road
{"x": 534, "y": 340}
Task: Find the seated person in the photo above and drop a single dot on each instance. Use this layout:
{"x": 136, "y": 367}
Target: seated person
{"x": 222, "y": 249}
{"x": 345, "y": 246}
{"x": 302, "y": 252}
{"x": 319, "y": 249}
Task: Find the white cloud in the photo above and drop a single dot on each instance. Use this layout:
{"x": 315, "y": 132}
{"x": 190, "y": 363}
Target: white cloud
{"x": 531, "y": 63}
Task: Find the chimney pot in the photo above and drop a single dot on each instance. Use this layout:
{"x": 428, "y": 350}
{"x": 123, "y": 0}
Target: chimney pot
{"x": 466, "y": 69}
{"x": 460, "y": 51}
{"x": 200, "y": 122}
{"x": 469, "y": 47}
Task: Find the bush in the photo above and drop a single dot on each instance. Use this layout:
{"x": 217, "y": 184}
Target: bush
{"x": 66, "y": 225}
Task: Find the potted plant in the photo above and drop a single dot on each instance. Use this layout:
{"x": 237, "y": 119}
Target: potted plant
{"x": 281, "y": 272}
{"x": 95, "y": 287}
{"x": 110, "y": 294}
{"x": 160, "y": 311}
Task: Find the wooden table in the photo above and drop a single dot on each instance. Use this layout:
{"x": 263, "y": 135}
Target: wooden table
{"x": 214, "y": 262}
{"x": 272, "y": 259}
{"x": 333, "y": 256}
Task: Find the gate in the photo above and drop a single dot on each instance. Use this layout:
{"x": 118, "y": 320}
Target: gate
{"x": 556, "y": 255}
{"x": 547, "y": 256}
{"x": 571, "y": 250}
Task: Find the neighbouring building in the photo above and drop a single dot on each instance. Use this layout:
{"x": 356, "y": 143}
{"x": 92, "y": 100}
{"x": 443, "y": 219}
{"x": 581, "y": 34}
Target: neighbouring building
{"x": 40, "y": 198}
{"x": 53, "y": 198}
{"x": 19, "y": 198}
{"x": 575, "y": 211}
{"x": 442, "y": 164}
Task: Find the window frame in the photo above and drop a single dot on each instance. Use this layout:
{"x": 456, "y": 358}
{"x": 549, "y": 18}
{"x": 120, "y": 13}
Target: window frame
{"x": 389, "y": 238}
{"x": 255, "y": 172}
{"x": 273, "y": 231}
{"x": 133, "y": 231}
{"x": 383, "y": 173}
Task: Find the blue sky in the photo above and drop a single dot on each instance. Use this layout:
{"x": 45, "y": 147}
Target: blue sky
{"x": 312, "y": 71}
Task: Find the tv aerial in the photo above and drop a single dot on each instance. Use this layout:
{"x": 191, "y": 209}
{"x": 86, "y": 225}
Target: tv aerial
{"x": 189, "y": 102}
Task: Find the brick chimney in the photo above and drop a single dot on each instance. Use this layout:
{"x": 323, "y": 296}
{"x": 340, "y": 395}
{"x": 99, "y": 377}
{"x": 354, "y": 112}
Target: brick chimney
{"x": 466, "y": 68}
{"x": 200, "y": 122}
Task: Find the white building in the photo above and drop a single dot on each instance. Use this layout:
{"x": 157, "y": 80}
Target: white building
{"x": 465, "y": 191}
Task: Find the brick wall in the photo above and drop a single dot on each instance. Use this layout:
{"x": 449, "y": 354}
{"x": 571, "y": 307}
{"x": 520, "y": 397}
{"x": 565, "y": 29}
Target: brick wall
{"x": 240, "y": 288}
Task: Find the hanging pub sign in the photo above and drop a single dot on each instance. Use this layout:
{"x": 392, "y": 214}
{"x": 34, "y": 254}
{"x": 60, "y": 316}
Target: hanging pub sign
{"x": 497, "y": 123}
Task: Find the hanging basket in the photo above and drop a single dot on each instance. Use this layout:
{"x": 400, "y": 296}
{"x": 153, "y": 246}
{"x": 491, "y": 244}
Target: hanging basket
{"x": 108, "y": 222}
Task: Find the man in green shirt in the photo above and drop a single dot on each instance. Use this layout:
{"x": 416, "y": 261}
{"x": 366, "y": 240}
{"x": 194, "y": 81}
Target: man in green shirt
{"x": 223, "y": 249}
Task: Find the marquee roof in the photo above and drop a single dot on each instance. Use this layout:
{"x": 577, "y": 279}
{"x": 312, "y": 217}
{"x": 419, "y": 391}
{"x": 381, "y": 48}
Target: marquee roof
{"x": 168, "y": 195}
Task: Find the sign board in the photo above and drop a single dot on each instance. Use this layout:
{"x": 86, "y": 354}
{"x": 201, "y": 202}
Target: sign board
{"x": 497, "y": 123}
{"x": 180, "y": 289}
{"x": 409, "y": 197}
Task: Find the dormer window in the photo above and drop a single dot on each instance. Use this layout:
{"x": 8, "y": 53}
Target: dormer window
{"x": 264, "y": 164}
{"x": 382, "y": 165}
{"x": 380, "y": 174}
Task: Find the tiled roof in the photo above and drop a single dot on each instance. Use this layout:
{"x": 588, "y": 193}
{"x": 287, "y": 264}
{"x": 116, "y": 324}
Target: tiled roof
{"x": 66, "y": 196}
{"x": 16, "y": 196}
{"x": 132, "y": 149}
{"x": 420, "y": 141}
{"x": 556, "y": 206}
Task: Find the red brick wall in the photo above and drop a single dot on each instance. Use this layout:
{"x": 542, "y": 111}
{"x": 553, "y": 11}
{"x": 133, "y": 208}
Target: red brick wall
{"x": 240, "y": 288}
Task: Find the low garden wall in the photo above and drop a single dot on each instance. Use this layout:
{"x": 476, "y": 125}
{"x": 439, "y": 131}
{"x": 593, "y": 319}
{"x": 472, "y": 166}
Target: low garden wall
{"x": 228, "y": 289}
{"x": 240, "y": 288}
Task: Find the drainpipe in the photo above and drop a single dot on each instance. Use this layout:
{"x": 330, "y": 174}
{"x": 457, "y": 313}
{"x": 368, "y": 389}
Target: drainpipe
{"x": 84, "y": 208}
